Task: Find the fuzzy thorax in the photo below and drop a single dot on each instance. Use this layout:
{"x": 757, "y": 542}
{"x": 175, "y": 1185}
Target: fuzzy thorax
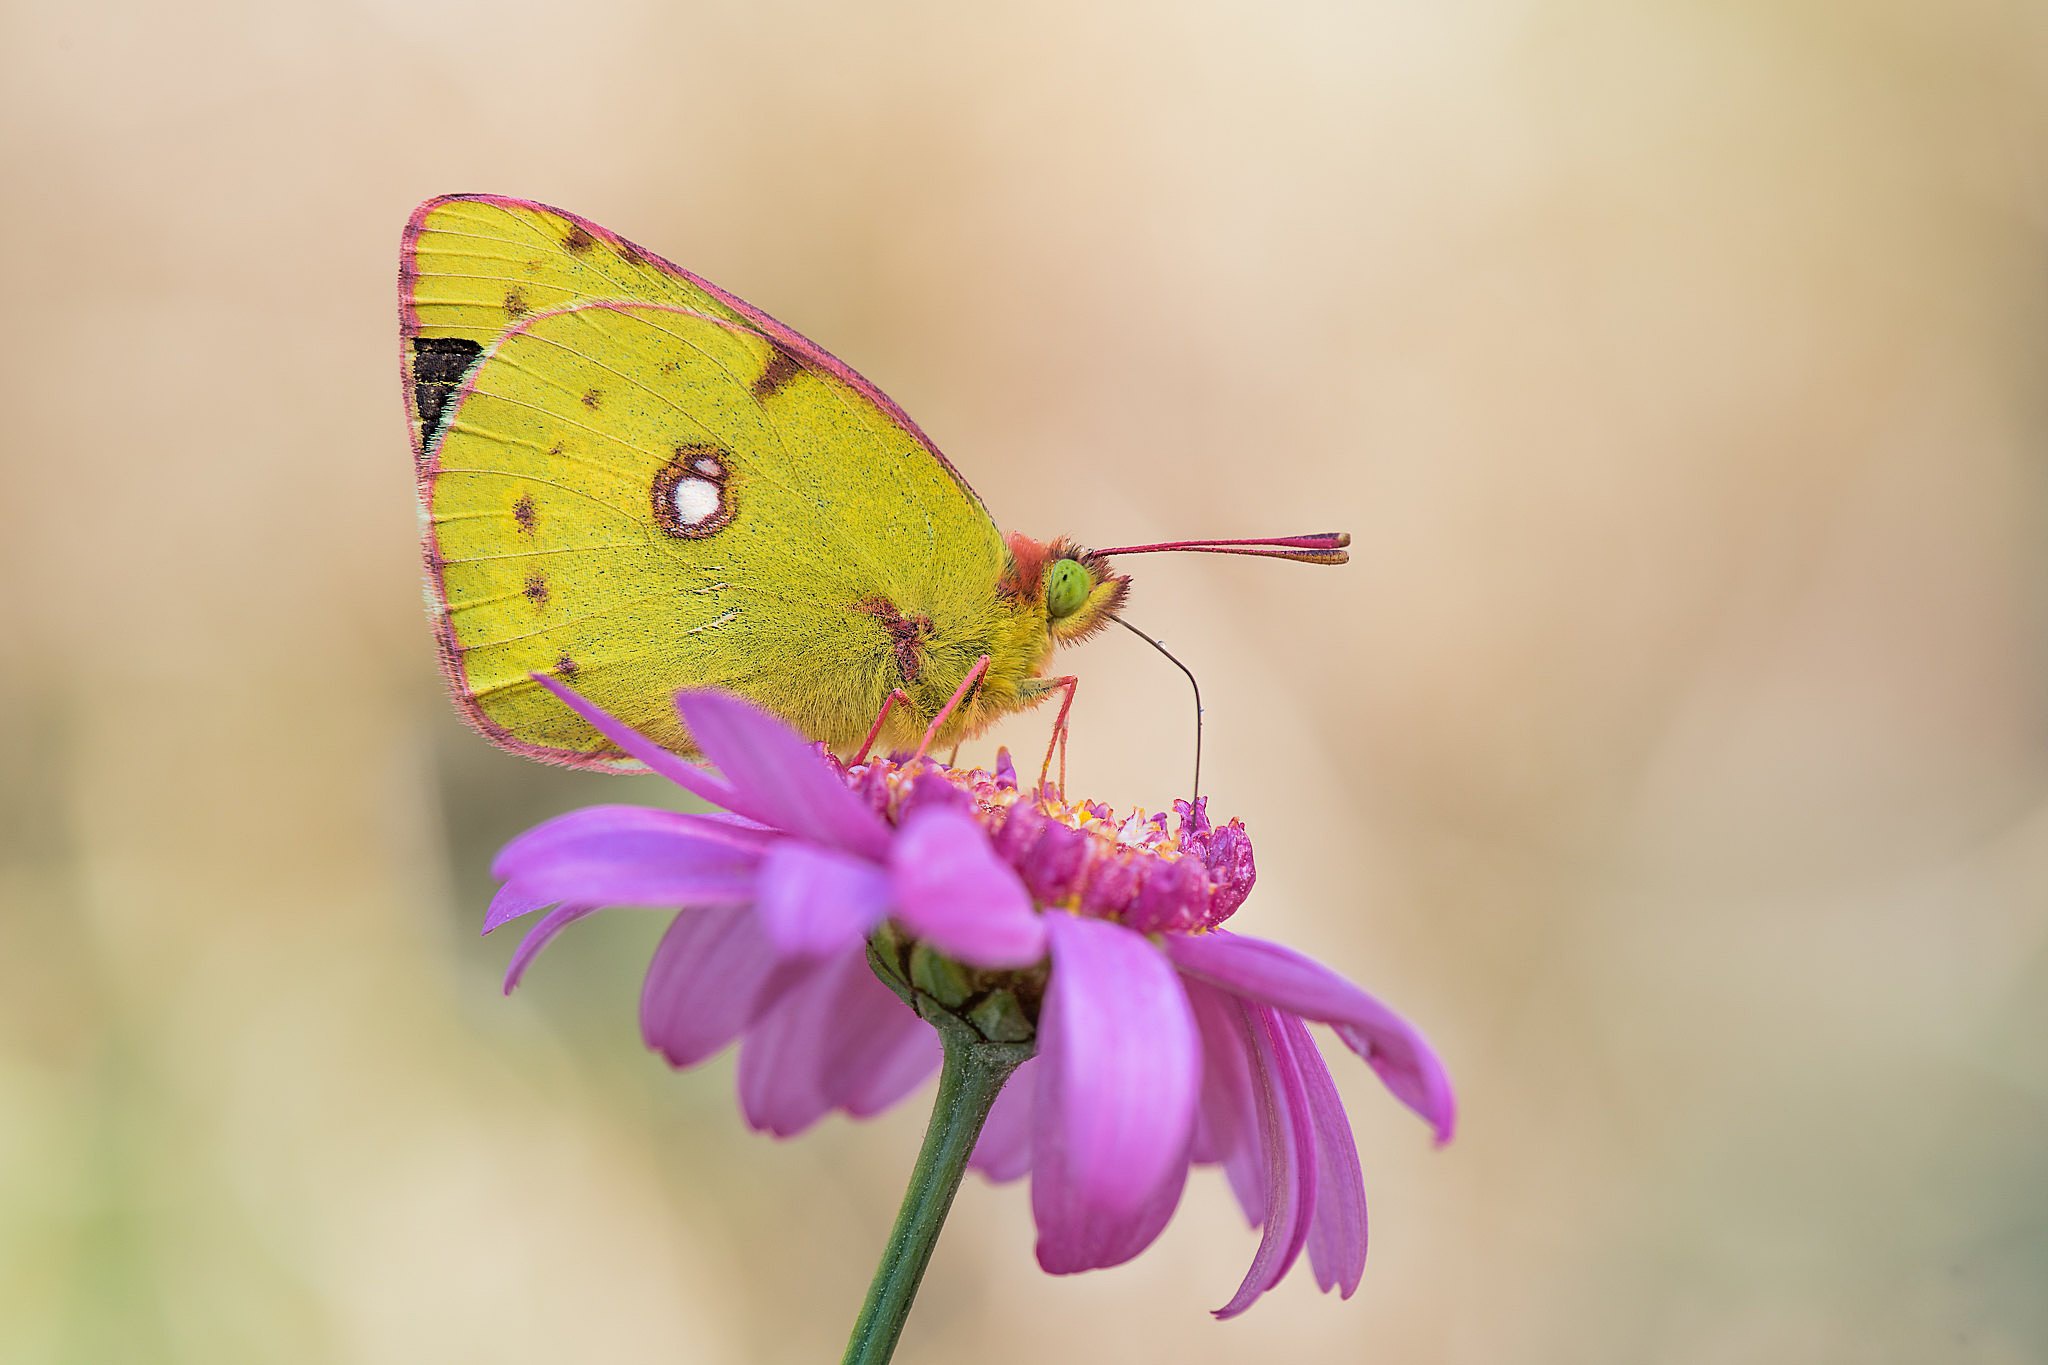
{"x": 1050, "y": 593}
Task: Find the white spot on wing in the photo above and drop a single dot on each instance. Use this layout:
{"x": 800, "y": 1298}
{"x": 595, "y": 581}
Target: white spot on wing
{"x": 696, "y": 501}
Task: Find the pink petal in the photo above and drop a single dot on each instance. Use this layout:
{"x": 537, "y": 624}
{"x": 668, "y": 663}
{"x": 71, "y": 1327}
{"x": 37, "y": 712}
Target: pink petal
{"x": 953, "y": 890}
{"x": 1285, "y": 979}
{"x": 813, "y": 901}
{"x": 635, "y": 827}
{"x": 636, "y": 745}
{"x": 1004, "y": 1150}
{"x": 1152, "y": 1217}
{"x": 1290, "y": 1154}
{"x": 881, "y": 1050}
{"x": 646, "y": 880}
{"x": 781, "y": 1074}
{"x": 538, "y": 937}
{"x": 711, "y": 976}
{"x": 778, "y": 778}
{"x": 836, "y": 1038}
{"x": 1227, "y": 1128}
{"x": 1121, "y": 1067}
{"x": 512, "y": 902}
{"x": 1336, "y": 1233}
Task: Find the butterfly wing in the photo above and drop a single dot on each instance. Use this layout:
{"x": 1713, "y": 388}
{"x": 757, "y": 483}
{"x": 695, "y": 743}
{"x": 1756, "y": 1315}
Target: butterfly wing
{"x": 473, "y": 266}
{"x": 638, "y": 497}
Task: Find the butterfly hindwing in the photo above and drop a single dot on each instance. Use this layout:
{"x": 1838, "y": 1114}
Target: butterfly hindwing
{"x": 637, "y": 497}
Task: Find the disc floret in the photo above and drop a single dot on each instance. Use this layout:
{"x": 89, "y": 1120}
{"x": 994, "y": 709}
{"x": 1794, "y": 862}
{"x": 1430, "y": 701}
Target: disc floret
{"x": 1151, "y": 871}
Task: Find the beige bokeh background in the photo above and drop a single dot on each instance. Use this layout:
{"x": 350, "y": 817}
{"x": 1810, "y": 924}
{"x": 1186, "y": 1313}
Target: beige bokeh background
{"x": 1675, "y": 749}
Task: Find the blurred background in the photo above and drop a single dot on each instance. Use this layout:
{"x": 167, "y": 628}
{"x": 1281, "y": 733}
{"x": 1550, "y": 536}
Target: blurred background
{"x": 1674, "y": 750}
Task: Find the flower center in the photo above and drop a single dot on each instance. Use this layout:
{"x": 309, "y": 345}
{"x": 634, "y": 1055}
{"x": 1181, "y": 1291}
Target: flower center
{"x": 1157, "y": 873}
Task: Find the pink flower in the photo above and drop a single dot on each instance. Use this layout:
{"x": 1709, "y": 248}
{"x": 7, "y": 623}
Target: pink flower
{"x": 1162, "y": 1040}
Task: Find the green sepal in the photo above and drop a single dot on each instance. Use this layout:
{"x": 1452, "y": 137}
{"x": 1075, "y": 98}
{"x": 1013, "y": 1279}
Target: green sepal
{"x": 939, "y": 976}
{"x": 1001, "y": 1018}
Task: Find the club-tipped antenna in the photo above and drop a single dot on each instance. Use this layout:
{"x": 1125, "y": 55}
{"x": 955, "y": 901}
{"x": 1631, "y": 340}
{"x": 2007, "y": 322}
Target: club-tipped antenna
{"x": 1324, "y": 547}
{"x": 1191, "y": 683}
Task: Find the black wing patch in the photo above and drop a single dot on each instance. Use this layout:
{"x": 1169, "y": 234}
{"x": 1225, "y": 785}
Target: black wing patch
{"x": 439, "y": 365}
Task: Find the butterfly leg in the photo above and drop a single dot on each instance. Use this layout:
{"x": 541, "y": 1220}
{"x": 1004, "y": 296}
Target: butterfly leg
{"x": 967, "y": 684}
{"x": 1059, "y": 730}
{"x": 888, "y": 705}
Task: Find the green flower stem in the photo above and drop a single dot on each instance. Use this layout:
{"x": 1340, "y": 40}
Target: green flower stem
{"x": 971, "y": 1077}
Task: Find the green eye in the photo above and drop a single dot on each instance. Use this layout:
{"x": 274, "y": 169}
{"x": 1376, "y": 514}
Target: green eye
{"x": 1066, "y": 589}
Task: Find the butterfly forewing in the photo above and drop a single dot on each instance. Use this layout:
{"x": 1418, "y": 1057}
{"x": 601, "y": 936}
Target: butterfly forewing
{"x": 472, "y": 267}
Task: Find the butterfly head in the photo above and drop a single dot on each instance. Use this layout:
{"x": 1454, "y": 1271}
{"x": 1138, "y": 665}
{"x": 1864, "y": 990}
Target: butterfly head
{"x": 1074, "y": 587}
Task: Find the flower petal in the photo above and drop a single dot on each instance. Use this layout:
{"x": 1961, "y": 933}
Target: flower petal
{"x": 656, "y": 882}
{"x": 1336, "y": 1232}
{"x": 952, "y": 889}
{"x": 814, "y": 901}
{"x": 1227, "y": 1125}
{"x": 1151, "y": 1218}
{"x": 881, "y": 1050}
{"x": 781, "y": 1073}
{"x": 1290, "y": 1154}
{"x": 778, "y": 778}
{"x": 712, "y": 974}
{"x": 1284, "y": 978}
{"x": 1121, "y": 1066}
{"x": 596, "y": 828}
{"x": 689, "y": 777}
{"x": 512, "y": 902}
{"x": 835, "y": 1038}
{"x": 1003, "y": 1151}
{"x": 538, "y": 937}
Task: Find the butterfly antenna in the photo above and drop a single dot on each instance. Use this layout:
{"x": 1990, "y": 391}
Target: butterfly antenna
{"x": 1191, "y": 683}
{"x": 1324, "y": 547}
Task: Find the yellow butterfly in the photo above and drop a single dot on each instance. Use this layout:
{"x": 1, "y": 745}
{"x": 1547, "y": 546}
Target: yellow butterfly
{"x": 634, "y": 482}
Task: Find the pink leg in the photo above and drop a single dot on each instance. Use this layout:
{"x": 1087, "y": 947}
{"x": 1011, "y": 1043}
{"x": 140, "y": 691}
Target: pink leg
{"x": 952, "y": 704}
{"x": 888, "y": 705}
{"x": 1059, "y": 732}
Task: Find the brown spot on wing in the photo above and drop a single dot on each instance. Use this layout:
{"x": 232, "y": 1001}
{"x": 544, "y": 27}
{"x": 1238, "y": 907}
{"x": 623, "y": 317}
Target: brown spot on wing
{"x": 522, "y": 512}
{"x": 781, "y": 368}
{"x": 537, "y": 590}
{"x": 515, "y": 304}
{"x": 907, "y": 634}
{"x": 566, "y": 666}
{"x": 578, "y": 241}
{"x": 591, "y": 397}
